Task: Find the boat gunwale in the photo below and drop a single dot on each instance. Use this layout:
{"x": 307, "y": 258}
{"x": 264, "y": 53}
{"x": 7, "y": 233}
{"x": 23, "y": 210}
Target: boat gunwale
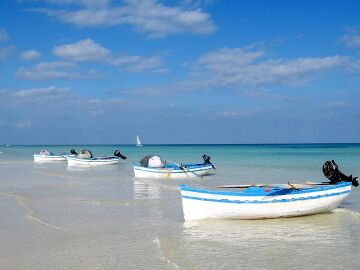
{"x": 173, "y": 170}
{"x": 259, "y": 191}
{"x": 94, "y": 159}
{"x": 262, "y": 201}
{"x": 51, "y": 156}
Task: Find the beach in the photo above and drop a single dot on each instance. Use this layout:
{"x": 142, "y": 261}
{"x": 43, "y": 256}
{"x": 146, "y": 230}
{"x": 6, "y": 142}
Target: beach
{"x": 59, "y": 217}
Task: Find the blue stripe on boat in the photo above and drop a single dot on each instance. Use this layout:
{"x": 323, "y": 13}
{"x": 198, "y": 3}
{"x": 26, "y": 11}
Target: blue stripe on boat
{"x": 53, "y": 156}
{"x": 94, "y": 159}
{"x": 262, "y": 191}
{"x": 272, "y": 201}
{"x": 172, "y": 170}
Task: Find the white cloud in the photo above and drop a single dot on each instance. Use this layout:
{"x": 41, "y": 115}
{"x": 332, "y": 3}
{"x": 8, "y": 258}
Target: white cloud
{"x": 30, "y": 55}
{"x": 124, "y": 60}
{"x": 88, "y": 3}
{"x": 229, "y": 59}
{"x": 89, "y": 50}
{"x": 23, "y": 124}
{"x": 3, "y": 35}
{"x": 83, "y": 50}
{"x": 351, "y": 38}
{"x": 236, "y": 67}
{"x": 238, "y": 114}
{"x": 135, "y": 63}
{"x": 31, "y": 103}
{"x": 248, "y": 71}
{"x": 48, "y": 70}
{"x": 148, "y": 16}
{"x": 336, "y": 105}
{"x": 36, "y": 99}
{"x": 144, "y": 64}
{"x": 196, "y": 3}
{"x": 51, "y": 90}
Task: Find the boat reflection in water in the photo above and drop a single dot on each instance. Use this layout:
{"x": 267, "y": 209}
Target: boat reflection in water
{"x": 146, "y": 189}
{"x": 324, "y": 227}
{"x": 252, "y": 244}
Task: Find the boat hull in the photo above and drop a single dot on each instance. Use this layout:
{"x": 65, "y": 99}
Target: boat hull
{"x": 49, "y": 158}
{"x": 205, "y": 204}
{"x": 146, "y": 172}
{"x": 73, "y": 161}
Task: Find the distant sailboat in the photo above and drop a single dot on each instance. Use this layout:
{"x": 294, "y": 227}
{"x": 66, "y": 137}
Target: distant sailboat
{"x": 138, "y": 142}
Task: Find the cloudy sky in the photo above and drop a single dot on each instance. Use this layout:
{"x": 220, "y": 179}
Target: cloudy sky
{"x": 181, "y": 71}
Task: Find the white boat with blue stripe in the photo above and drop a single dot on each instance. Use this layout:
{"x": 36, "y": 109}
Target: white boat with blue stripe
{"x": 259, "y": 202}
{"x": 170, "y": 169}
{"x": 85, "y": 158}
{"x": 47, "y": 156}
{"x": 95, "y": 161}
{"x": 268, "y": 201}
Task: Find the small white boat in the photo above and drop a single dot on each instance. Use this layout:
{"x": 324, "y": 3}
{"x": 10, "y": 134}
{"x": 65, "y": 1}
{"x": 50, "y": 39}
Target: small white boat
{"x": 138, "y": 142}
{"x": 83, "y": 160}
{"x": 95, "y": 161}
{"x": 46, "y": 156}
{"x": 173, "y": 171}
{"x": 258, "y": 202}
{"x": 169, "y": 169}
{"x": 268, "y": 201}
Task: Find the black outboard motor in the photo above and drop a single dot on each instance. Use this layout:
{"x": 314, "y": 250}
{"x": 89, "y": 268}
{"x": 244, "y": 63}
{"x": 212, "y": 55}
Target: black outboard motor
{"x": 331, "y": 172}
{"x": 206, "y": 159}
{"x": 72, "y": 151}
{"x": 118, "y": 154}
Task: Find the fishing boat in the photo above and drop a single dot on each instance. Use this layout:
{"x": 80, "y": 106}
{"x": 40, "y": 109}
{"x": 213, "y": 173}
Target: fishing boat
{"x": 266, "y": 201}
{"x": 47, "y": 156}
{"x": 85, "y": 158}
{"x": 170, "y": 169}
{"x": 138, "y": 142}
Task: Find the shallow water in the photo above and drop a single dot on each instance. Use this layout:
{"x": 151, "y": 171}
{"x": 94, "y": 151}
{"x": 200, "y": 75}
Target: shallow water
{"x": 58, "y": 217}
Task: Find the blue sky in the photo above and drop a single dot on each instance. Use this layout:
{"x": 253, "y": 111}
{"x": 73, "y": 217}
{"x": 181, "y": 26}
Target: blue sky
{"x": 102, "y": 71}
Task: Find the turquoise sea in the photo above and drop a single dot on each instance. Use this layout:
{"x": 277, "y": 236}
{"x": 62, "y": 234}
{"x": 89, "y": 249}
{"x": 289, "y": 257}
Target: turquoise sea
{"x": 57, "y": 217}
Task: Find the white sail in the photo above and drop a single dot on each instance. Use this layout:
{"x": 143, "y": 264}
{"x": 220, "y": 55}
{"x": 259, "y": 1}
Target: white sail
{"x": 138, "y": 142}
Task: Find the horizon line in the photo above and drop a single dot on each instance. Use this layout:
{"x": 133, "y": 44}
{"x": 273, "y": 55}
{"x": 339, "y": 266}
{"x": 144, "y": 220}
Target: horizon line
{"x": 181, "y": 144}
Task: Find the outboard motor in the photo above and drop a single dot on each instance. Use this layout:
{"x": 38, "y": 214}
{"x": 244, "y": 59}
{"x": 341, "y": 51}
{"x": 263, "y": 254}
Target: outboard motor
{"x": 331, "y": 172}
{"x": 206, "y": 159}
{"x": 72, "y": 151}
{"x": 118, "y": 154}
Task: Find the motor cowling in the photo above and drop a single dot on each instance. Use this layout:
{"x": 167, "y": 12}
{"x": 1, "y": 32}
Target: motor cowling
{"x": 118, "y": 154}
{"x": 332, "y": 172}
{"x": 206, "y": 159}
